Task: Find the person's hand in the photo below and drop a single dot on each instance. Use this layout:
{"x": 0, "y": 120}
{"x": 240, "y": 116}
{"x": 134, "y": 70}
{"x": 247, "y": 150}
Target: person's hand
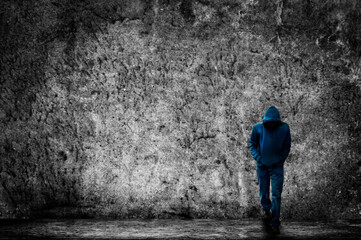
{"x": 260, "y": 164}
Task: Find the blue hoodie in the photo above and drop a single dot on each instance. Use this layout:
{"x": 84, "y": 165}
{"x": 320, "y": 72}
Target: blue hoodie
{"x": 270, "y": 141}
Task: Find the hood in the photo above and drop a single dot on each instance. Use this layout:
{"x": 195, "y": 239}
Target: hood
{"x": 272, "y": 115}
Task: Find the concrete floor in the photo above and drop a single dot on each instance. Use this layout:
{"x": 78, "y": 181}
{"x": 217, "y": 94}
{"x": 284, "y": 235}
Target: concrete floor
{"x": 174, "y": 229}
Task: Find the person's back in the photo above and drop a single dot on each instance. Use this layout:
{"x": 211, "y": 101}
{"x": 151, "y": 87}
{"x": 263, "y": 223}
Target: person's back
{"x": 270, "y": 145}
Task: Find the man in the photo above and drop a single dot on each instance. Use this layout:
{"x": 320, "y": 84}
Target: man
{"x": 270, "y": 145}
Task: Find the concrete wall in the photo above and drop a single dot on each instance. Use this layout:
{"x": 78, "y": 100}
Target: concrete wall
{"x": 144, "y": 108}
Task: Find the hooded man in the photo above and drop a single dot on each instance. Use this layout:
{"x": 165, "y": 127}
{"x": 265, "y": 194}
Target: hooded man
{"x": 270, "y": 145}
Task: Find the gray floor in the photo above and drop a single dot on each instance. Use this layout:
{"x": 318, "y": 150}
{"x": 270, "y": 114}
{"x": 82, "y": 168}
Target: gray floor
{"x": 174, "y": 229}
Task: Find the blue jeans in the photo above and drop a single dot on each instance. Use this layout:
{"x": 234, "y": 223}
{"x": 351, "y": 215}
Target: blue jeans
{"x": 275, "y": 176}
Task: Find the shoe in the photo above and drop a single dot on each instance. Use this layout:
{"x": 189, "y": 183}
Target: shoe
{"x": 276, "y": 230}
{"x": 267, "y": 215}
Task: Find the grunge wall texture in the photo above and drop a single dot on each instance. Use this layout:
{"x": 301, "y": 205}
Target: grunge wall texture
{"x": 144, "y": 108}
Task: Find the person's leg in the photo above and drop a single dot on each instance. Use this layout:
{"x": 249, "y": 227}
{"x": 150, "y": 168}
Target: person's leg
{"x": 277, "y": 184}
{"x": 263, "y": 176}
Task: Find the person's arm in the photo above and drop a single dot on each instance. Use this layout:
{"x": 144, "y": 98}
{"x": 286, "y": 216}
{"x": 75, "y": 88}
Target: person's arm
{"x": 254, "y": 144}
{"x": 286, "y": 146}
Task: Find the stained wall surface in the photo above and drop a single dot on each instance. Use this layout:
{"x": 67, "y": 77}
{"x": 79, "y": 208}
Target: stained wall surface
{"x": 144, "y": 108}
